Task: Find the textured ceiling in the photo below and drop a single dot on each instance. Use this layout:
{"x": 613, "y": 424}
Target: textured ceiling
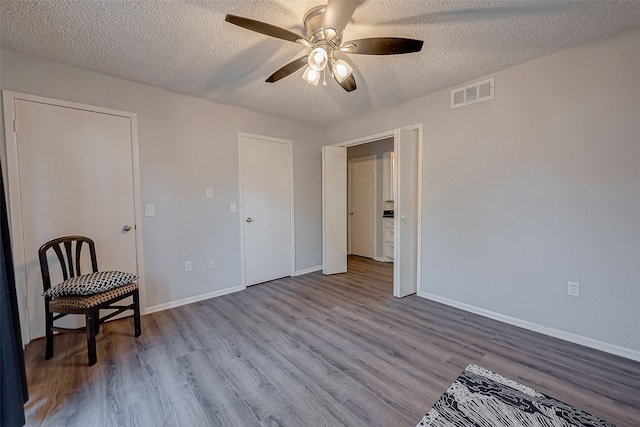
{"x": 185, "y": 46}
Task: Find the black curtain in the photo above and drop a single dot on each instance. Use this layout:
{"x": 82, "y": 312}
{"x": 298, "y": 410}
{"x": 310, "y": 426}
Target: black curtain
{"x": 13, "y": 377}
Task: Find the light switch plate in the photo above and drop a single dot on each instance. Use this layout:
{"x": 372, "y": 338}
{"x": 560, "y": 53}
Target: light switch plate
{"x": 149, "y": 210}
{"x": 233, "y": 208}
{"x": 209, "y": 193}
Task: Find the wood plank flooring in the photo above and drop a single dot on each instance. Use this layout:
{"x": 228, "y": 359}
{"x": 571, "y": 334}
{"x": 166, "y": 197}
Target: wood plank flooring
{"x": 309, "y": 351}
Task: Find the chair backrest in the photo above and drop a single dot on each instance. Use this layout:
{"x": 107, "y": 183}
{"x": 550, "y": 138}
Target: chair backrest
{"x": 68, "y": 249}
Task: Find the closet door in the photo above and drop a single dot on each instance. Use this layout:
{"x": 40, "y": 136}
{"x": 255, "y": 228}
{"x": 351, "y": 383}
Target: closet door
{"x": 75, "y": 177}
{"x": 334, "y": 210}
{"x": 267, "y": 200}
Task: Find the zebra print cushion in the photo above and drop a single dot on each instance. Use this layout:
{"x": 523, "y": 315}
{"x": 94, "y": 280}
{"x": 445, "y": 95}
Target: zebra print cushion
{"x": 91, "y": 284}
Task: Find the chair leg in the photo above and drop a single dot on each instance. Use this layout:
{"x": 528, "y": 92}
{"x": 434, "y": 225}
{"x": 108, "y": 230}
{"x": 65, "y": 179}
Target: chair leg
{"x": 91, "y": 337}
{"x": 97, "y": 322}
{"x": 136, "y": 313}
{"x": 48, "y": 354}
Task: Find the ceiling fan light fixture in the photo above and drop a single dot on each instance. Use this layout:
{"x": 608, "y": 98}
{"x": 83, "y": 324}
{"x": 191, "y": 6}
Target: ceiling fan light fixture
{"x": 318, "y": 59}
{"x": 311, "y": 76}
{"x": 323, "y": 28}
{"x": 341, "y": 70}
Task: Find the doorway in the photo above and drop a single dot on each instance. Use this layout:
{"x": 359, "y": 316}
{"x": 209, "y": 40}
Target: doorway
{"x": 266, "y": 208}
{"x": 406, "y": 233}
{"x": 72, "y": 169}
{"x": 380, "y": 152}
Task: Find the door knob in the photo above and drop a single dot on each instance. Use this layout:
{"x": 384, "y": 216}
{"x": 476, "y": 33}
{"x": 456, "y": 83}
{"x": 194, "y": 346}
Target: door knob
{"x": 126, "y": 227}
{"x": 249, "y": 219}
{"x": 351, "y": 213}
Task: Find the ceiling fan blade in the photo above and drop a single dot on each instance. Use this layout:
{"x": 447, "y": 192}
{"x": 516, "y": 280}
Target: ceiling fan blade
{"x": 382, "y": 46}
{"x": 290, "y": 68}
{"x": 338, "y": 14}
{"x": 266, "y": 29}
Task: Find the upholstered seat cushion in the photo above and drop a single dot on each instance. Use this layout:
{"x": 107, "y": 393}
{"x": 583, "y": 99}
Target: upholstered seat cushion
{"x": 91, "y": 284}
{"x": 79, "y": 302}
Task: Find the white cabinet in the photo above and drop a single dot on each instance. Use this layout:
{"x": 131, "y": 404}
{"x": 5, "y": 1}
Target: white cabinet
{"x": 388, "y": 166}
{"x": 388, "y": 194}
{"x": 387, "y": 224}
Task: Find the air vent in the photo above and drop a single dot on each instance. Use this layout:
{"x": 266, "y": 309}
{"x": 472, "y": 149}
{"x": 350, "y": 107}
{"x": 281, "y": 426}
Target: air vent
{"x": 471, "y": 94}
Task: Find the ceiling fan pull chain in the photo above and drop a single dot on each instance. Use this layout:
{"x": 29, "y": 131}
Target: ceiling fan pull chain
{"x": 324, "y": 77}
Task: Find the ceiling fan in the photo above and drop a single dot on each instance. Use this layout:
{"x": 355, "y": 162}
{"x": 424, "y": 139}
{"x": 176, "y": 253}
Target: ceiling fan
{"x": 323, "y": 29}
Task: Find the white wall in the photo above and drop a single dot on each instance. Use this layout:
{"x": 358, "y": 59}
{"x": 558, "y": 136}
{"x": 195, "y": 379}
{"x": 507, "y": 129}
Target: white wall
{"x": 186, "y": 144}
{"x": 535, "y": 188}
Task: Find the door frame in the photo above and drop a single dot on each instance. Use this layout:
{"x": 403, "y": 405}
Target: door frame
{"x": 393, "y": 133}
{"x": 243, "y": 261}
{"x": 374, "y": 229}
{"x": 15, "y": 201}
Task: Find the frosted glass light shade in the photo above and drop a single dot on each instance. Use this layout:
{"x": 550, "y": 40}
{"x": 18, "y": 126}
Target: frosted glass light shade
{"x": 341, "y": 70}
{"x": 311, "y": 76}
{"x": 318, "y": 59}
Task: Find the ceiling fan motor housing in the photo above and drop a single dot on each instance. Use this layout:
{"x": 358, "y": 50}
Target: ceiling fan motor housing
{"x": 317, "y": 35}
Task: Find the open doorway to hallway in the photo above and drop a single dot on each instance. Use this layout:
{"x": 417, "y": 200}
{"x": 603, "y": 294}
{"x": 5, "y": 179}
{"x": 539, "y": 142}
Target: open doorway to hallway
{"x": 405, "y": 231}
{"x": 369, "y": 200}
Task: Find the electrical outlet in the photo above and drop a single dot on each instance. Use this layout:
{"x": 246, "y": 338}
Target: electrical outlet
{"x": 573, "y": 289}
{"x": 187, "y": 266}
{"x": 211, "y": 264}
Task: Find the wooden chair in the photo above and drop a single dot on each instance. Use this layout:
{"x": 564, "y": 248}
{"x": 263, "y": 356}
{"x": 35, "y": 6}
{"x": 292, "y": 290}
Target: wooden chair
{"x": 68, "y": 249}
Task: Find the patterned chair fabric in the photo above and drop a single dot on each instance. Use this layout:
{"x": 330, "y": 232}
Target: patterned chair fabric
{"x": 81, "y": 302}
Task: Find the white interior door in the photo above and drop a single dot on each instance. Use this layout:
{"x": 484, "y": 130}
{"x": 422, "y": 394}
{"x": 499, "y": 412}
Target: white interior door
{"x": 75, "y": 177}
{"x": 267, "y": 208}
{"x": 361, "y": 220}
{"x": 334, "y": 210}
{"x": 405, "y": 277}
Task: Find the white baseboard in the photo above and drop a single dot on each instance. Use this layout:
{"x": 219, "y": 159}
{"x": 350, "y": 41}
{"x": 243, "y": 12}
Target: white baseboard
{"x": 307, "y": 270}
{"x": 190, "y": 300}
{"x": 556, "y": 333}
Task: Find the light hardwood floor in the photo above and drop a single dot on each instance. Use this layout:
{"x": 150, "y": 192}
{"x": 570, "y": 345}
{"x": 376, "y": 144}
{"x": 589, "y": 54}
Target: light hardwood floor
{"x": 309, "y": 350}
